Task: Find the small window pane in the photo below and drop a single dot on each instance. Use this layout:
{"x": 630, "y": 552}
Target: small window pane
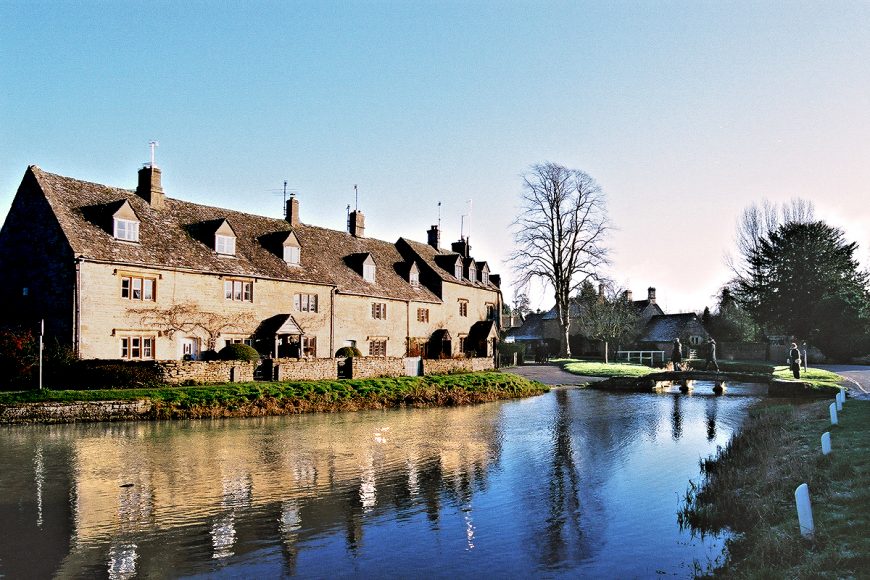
{"x": 125, "y": 288}
{"x": 228, "y": 290}
{"x": 137, "y": 288}
{"x": 148, "y": 289}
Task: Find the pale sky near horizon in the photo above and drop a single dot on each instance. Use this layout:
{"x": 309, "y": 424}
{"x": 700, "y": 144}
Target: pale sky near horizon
{"x": 684, "y": 112}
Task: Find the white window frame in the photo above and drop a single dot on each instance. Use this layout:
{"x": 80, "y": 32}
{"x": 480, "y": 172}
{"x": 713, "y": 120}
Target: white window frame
{"x": 472, "y": 273}
{"x": 484, "y": 277}
{"x": 305, "y": 302}
{"x": 225, "y": 245}
{"x": 139, "y": 288}
{"x": 292, "y": 255}
{"x": 414, "y": 278}
{"x": 127, "y": 230}
{"x": 137, "y": 347}
{"x": 369, "y": 272}
{"x": 239, "y": 290}
{"x": 457, "y": 271}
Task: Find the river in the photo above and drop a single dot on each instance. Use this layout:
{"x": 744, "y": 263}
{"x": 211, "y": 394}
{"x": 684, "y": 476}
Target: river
{"x": 573, "y": 483}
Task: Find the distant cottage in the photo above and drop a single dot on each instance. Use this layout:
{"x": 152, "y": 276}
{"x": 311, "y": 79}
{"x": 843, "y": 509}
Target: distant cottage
{"x": 134, "y": 274}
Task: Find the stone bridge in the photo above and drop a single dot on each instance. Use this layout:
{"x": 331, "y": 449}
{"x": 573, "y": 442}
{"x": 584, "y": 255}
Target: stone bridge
{"x": 686, "y": 380}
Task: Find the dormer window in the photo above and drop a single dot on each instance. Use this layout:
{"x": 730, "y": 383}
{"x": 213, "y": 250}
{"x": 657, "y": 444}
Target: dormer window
{"x": 457, "y": 271}
{"x": 414, "y": 275}
{"x": 472, "y": 273}
{"x": 127, "y": 230}
{"x": 369, "y": 272}
{"x": 291, "y": 255}
{"x": 125, "y": 223}
{"x": 225, "y": 245}
{"x": 292, "y": 250}
{"x": 484, "y": 277}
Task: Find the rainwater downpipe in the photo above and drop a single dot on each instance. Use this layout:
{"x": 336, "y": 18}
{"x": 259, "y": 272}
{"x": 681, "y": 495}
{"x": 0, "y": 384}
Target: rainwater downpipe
{"x": 77, "y": 302}
{"x": 332, "y": 321}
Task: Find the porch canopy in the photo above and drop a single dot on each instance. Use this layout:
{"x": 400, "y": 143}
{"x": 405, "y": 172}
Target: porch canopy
{"x": 284, "y": 333}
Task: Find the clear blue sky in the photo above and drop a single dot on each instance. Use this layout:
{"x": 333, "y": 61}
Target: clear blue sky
{"x": 685, "y": 112}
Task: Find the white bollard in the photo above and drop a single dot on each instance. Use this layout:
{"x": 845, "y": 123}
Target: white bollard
{"x": 804, "y": 510}
{"x": 826, "y": 443}
{"x": 833, "y": 413}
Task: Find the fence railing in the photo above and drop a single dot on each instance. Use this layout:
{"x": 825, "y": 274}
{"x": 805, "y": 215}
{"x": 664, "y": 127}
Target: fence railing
{"x": 641, "y": 356}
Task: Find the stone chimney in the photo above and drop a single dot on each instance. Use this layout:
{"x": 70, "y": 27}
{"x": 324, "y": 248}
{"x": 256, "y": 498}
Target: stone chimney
{"x": 462, "y": 247}
{"x": 628, "y": 295}
{"x": 149, "y": 187}
{"x": 292, "y": 211}
{"x": 434, "y": 237}
{"x": 651, "y": 295}
{"x": 356, "y": 224}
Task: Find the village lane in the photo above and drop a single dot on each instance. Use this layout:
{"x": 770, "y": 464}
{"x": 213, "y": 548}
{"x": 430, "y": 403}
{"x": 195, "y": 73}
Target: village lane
{"x": 858, "y": 376}
{"x": 550, "y": 374}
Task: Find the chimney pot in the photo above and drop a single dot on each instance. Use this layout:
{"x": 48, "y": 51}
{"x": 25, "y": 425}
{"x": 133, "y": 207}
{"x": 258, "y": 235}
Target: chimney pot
{"x": 149, "y": 187}
{"x": 292, "y": 211}
{"x": 356, "y": 224}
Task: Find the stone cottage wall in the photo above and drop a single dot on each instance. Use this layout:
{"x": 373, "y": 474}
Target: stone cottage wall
{"x": 447, "y": 366}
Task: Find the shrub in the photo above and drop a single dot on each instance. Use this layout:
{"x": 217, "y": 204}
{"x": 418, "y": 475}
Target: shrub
{"x": 239, "y": 351}
{"x": 347, "y": 351}
{"x": 19, "y": 355}
{"x": 208, "y": 355}
{"x": 107, "y": 374}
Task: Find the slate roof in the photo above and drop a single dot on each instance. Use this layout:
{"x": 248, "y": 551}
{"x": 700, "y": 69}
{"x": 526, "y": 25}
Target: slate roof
{"x": 666, "y": 327}
{"x": 178, "y": 236}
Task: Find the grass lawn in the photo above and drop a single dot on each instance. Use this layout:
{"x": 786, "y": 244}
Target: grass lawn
{"x": 600, "y": 369}
{"x": 818, "y": 377}
{"x": 749, "y": 489}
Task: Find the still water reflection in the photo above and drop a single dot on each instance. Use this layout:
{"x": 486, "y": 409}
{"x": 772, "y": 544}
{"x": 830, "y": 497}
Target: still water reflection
{"x": 574, "y": 483}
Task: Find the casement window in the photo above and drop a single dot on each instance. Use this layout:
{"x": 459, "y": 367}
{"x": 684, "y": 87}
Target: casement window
{"x": 414, "y": 278}
{"x": 457, "y": 271}
{"x": 137, "y": 347}
{"x": 490, "y": 311}
{"x": 248, "y": 341}
{"x": 127, "y": 230}
{"x": 369, "y": 273}
{"x": 225, "y": 245}
{"x": 463, "y": 308}
{"x": 422, "y": 315}
{"x": 239, "y": 290}
{"x": 292, "y": 255}
{"x": 484, "y": 277}
{"x": 305, "y": 302}
{"x": 378, "y": 347}
{"x": 309, "y": 346}
{"x": 462, "y": 341}
{"x": 379, "y": 311}
{"x": 472, "y": 273}
{"x": 136, "y": 288}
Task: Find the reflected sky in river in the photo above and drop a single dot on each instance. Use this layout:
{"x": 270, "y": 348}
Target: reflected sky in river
{"x": 573, "y": 483}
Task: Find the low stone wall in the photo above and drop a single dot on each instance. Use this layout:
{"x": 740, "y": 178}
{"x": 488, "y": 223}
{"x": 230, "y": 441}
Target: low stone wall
{"x": 449, "y": 366}
{"x": 75, "y": 412}
{"x": 300, "y": 369}
{"x": 176, "y": 372}
{"x": 370, "y": 367}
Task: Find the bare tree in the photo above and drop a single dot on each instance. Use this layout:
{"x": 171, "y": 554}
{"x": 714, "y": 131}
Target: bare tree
{"x": 560, "y": 234}
{"x": 611, "y": 318}
{"x": 189, "y": 317}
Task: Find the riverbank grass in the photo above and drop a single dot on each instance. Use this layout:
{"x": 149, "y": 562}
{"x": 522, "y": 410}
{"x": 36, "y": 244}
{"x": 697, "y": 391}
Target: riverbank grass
{"x": 749, "y": 489}
{"x": 264, "y": 398}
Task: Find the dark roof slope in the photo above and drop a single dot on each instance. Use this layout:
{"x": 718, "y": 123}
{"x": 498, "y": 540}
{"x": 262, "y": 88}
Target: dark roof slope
{"x": 431, "y": 258}
{"x": 171, "y": 237}
{"x": 666, "y": 327}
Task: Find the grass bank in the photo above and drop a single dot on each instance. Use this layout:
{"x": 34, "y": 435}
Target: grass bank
{"x": 278, "y": 398}
{"x": 749, "y": 489}
{"x": 600, "y": 369}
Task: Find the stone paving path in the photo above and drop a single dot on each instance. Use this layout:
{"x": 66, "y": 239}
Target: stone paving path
{"x": 550, "y": 375}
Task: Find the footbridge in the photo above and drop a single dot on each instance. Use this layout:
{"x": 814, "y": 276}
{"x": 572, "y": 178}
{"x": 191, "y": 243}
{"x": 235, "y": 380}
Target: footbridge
{"x": 687, "y": 380}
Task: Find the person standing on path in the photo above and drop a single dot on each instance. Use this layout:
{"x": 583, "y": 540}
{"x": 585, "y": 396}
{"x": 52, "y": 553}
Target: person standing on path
{"x": 677, "y": 355}
{"x": 794, "y": 360}
{"x": 711, "y": 355}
